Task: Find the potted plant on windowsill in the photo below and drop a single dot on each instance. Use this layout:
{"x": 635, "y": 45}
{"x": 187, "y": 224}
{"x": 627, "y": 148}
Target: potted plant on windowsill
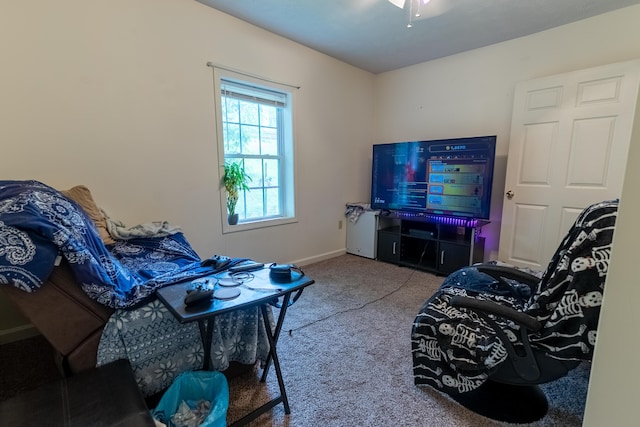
{"x": 234, "y": 180}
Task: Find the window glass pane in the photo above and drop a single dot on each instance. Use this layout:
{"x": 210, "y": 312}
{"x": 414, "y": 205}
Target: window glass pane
{"x": 271, "y": 173}
{"x": 230, "y": 110}
{"x": 269, "y": 141}
{"x": 254, "y": 204}
{"x": 250, "y": 139}
{"x": 231, "y": 134}
{"x": 253, "y": 167}
{"x": 272, "y": 202}
{"x": 240, "y": 207}
{"x": 249, "y": 113}
{"x": 268, "y": 116}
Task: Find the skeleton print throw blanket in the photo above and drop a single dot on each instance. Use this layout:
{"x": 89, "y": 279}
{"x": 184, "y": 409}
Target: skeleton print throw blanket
{"x": 454, "y": 349}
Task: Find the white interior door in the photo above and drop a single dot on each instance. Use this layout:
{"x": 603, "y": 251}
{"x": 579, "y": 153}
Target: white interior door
{"x": 570, "y": 135}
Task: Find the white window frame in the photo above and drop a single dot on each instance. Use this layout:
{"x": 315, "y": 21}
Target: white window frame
{"x": 288, "y": 174}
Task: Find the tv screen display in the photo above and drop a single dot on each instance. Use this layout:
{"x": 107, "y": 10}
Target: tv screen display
{"x": 451, "y": 177}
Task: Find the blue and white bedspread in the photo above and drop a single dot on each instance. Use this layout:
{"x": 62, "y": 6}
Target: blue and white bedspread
{"x": 160, "y": 348}
{"x": 38, "y": 223}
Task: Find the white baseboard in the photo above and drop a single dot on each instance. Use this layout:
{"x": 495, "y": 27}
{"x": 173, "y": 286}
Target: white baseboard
{"x": 18, "y": 333}
{"x": 317, "y": 258}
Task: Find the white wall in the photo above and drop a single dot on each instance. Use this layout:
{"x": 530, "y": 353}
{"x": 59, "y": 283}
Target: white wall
{"x": 471, "y": 94}
{"x": 116, "y": 95}
{"x": 613, "y": 389}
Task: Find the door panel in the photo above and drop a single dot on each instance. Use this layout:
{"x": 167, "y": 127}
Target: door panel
{"x": 590, "y": 155}
{"x": 570, "y": 135}
{"x": 527, "y": 244}
{"x": 539, "y": 139}
{"x": 568, "y": 217}
{"x": 453, "y": 257}
{"x": 388, "y": 246}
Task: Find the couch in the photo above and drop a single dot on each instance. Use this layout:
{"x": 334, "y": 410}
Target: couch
{"x": 87, "y": 283}
{"x": 70, "y": 321}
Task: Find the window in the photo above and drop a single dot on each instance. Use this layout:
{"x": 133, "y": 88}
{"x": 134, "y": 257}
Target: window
{"x": 256, "y": 131}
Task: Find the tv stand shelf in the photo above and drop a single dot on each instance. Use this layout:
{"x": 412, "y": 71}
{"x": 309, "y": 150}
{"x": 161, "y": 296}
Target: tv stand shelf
{"x": 436, "y": 244}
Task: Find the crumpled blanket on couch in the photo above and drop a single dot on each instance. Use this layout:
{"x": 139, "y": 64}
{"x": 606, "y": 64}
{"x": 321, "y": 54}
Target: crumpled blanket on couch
{"x": 119, "y": 231}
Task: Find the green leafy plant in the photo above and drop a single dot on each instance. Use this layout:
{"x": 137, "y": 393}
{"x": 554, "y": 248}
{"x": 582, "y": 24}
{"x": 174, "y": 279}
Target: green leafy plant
{"x": 234, "y": 180}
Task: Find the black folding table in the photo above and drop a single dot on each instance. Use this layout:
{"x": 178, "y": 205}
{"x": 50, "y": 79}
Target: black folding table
{"x": 256, "y": 290}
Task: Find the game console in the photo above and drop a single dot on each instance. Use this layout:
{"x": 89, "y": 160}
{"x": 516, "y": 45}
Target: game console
{"x": 198, "y": 296}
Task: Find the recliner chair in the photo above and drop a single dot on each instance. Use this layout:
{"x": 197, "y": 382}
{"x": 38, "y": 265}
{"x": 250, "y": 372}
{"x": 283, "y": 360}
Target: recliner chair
{"x": 491, "y": 333}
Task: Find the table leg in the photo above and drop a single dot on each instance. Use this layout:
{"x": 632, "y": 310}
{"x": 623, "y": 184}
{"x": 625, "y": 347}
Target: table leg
{"x": 272, "y": 337}
{"x": 206, "y": 335}
{"x": 276, "y": 333}
{"x": 273, "y": 340}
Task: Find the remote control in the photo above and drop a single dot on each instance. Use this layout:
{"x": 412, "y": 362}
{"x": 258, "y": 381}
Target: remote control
{"x": 246, "y": 267}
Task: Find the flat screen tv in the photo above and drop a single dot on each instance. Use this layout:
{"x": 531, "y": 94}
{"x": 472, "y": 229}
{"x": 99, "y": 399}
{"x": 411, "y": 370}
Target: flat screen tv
{"x": 450, "y": 177}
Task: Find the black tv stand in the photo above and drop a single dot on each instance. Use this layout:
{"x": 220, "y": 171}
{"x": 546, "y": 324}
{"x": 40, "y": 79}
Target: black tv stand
{"x": 433, "y": 243}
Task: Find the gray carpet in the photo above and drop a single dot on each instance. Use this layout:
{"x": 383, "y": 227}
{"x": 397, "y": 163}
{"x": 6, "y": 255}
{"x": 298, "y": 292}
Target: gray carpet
{"x": 346, "y": 357}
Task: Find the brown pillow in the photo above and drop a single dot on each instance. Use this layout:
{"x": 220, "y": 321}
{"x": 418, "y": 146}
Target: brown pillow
{"x": 82, "y": 196}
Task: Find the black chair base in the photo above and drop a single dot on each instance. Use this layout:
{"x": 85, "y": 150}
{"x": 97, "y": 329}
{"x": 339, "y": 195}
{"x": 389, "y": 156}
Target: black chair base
{"x": 504, "y": 402}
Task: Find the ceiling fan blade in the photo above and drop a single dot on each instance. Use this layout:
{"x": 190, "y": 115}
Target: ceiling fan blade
{"x": 398, "y": 3}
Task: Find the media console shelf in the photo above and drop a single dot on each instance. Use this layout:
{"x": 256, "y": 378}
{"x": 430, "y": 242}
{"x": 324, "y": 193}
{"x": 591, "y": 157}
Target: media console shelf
{"x": 433, "y": 243}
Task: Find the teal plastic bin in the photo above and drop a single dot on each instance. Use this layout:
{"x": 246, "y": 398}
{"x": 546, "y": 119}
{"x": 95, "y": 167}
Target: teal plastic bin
{"x": 194, "y": 386}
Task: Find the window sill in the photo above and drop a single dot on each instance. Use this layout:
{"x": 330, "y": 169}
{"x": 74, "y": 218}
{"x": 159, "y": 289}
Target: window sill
{"x": 252, "y": 225}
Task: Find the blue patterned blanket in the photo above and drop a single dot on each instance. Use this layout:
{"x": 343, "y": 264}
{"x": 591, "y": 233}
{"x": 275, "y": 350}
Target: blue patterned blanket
{"x": 37, "y": 223}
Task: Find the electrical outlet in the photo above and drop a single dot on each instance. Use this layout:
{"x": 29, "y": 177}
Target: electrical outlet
{"x": 340, "y": 225}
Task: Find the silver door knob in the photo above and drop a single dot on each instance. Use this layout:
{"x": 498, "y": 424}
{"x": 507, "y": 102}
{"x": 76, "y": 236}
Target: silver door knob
{"x": 510, "y": 194}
